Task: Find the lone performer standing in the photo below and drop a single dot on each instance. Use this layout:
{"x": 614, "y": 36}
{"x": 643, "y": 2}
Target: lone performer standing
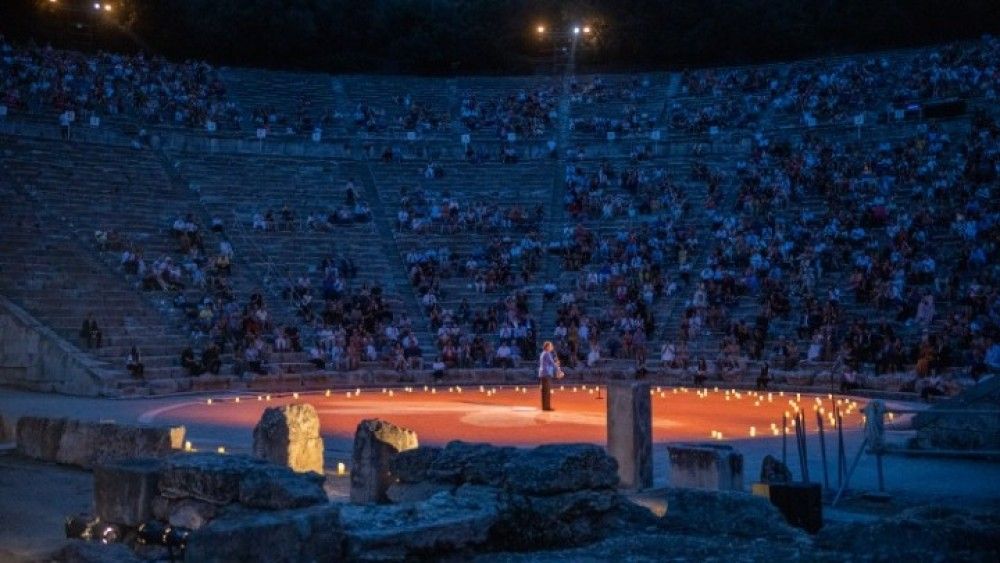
{"x": 548, "y": 368}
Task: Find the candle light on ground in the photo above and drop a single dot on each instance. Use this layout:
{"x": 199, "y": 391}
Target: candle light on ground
{"x": 187, "y": 446}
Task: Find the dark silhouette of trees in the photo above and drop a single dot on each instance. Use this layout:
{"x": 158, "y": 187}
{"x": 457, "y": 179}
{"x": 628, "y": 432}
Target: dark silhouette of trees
{"x": 467, "y": 36}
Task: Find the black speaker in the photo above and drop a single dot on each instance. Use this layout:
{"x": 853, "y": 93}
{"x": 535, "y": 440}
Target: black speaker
{"x": 952, "y": 107}
{"x": 800, "y": 503}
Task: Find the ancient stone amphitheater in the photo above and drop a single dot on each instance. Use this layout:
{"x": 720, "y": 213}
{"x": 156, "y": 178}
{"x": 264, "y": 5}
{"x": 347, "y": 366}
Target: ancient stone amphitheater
{"x": 678, "y": 203}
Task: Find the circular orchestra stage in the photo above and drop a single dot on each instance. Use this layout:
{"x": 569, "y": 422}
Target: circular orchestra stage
{"x": 510, "y": 415}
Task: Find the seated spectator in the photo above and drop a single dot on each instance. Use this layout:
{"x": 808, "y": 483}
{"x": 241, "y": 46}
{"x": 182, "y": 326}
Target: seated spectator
{"x": 90, "y": 332}
{"x": 189, "y": 363}
{"x": 668, "y": 355}
{"x": 133, "y": 362}
{"x": 504, "y": 356}
{"x": 701, "y": 372}
{"x": 253, "y": 358}
{"x": 849, "y": 381}
{"x": 211, "y": 359}
{"x": 317, "y": 358}
{"x": 932, "y": 386}
{"x": 593, "y": 353}
{"x": 437, "y": 368}
{"x": 281, "y": 343}
{"x": 764, "y": 377}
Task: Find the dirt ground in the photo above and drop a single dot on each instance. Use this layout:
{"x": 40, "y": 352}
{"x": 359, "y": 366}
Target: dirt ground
{"x": 35, "y": 499}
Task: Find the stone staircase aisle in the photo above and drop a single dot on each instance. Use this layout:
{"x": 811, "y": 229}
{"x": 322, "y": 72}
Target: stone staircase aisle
{"x": 397, "y": 280}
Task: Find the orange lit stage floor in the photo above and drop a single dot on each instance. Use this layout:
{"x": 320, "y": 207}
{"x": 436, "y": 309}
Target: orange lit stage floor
{"x": 510, "y": 415}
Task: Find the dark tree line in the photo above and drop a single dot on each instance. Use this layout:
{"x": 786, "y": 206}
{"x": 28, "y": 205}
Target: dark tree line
{"x": 469, "y": 36}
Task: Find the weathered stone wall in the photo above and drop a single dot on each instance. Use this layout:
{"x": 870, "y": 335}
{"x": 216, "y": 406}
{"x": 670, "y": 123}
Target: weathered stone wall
{"x": 190, "y": 490}
{"x": 6, "y": 430}
{"x": 978, "y": 429}
{"x": 87, "y": 444}
{"x": 705, "y": 466}
{"x": 33, "y": 357}
{"x": 467, "y": 499}
{"x": 552, "y": 495}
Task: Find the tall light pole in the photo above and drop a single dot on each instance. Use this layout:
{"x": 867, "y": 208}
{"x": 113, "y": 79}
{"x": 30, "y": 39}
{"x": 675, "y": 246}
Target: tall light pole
{"x": 564, "y": 40}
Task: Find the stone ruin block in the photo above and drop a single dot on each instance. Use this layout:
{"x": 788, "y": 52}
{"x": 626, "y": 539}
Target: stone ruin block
{"x": 713, "y": 467}
{"x": 289, "y": 436}
{"x": 375, "y": 443}
{"x": 468, "y": 463}
{"x": 6, "y": 430}
{"x": 88, "y": 444}
{"x": 630, "y": 432}
{"x": 225, "y": 479}
{"x": 124, "y": 491}
{"x": 724, "y": 514}
{"x": 560, "y": 468}
{"x": 38, "y": 437}
{"x": 446, "y": 523}
{"x": 287, "y": 536}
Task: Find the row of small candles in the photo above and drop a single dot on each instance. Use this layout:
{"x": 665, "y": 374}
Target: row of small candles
{"x": 845, "y": 406}
{"x": 189, "y": 447}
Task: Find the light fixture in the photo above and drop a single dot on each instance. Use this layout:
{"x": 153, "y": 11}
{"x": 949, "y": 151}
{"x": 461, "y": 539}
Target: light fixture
{"x": 107, "y": 7}
{"x": 110, "y": 534}
{"x": 97, "y": 6}
{"x": 576, "y": 30}
{"x": 586, "y": 29}
{"x": 541, "y": 29}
